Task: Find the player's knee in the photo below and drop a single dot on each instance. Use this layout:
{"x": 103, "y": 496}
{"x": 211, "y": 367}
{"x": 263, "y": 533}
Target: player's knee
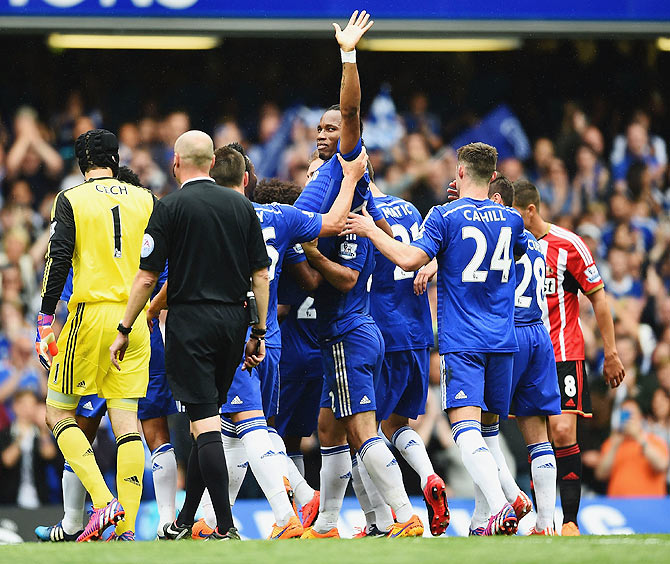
{"x": 52, "y": 416}
{"x": 390, "y": 426}
{"x": 563, "y": 433}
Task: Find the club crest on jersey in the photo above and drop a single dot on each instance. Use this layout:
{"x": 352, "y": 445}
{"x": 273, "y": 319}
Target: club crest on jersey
{"x": 147, "y": 246}
{"x": 348, "y": 250}
{"x": 592, "y": 274}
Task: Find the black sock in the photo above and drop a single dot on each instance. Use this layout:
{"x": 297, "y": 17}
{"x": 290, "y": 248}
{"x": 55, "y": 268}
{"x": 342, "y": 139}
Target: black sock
{"x": 215, "y": 475}
{"x": 195, "y": 486}
{"x": 569, "y": 471}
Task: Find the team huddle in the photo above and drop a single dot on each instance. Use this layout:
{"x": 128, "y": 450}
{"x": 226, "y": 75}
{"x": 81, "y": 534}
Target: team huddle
{"x": 347, "y": 269}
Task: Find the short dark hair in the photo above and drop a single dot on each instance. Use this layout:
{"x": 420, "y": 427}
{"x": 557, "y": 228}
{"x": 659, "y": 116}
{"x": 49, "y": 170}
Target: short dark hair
{"x": 503, "y": 186}
{"x": 229, "y": 167}
{"x": 479, "y": 159}
{"x": 270, "y": 190}
{"x": 525, "y": 194}
{"x": 238, "y": 147}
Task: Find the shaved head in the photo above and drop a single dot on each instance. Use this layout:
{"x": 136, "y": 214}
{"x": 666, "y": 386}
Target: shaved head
{"x": 196, "y": 149}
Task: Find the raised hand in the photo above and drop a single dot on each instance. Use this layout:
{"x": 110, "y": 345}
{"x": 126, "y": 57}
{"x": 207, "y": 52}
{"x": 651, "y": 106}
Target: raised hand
{"x": 358, "y": 25}
{"x": 361, "y": 225}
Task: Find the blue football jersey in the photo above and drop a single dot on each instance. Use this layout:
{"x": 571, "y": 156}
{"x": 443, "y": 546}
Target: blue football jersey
{"x": 529, "y": 298}
{"x": 403, "y": 318}
{"x": 338, "y": 313}
{"x": 283, "y": 226}
{"x": 324, "y": 186}
{"x": 474, "y": 242}
{"x": 299, "y": 327}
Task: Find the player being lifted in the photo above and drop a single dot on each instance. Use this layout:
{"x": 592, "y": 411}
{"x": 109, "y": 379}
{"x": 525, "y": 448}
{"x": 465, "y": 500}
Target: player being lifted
{"x": 351, "y": 344}
{"x": 97, "y": 230}
{"x": 473, "y": 240}
{"x": 570, "y": 269}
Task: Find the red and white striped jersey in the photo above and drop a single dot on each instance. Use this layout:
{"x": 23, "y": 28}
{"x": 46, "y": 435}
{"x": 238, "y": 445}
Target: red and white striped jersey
{"x": 570, "y": 268}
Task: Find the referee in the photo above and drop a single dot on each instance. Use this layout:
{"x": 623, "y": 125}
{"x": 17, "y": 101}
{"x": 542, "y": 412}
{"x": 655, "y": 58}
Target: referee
{"x": 213, "y": 242}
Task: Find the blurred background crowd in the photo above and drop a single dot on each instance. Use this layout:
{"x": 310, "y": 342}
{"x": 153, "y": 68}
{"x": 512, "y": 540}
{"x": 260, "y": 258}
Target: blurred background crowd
{"x": 601, "y": 168}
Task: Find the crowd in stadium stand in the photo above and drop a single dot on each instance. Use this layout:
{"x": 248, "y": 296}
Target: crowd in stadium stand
{"x": 613, "y": 192}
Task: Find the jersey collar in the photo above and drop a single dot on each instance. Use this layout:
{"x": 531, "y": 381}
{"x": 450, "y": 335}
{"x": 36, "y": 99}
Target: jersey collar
{"x": 101, "y": 178}
{"x": 198, "y": 179}
{"x": 546, "y": 232}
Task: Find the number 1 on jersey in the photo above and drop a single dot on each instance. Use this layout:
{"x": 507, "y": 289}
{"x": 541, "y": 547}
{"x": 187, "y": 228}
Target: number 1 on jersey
{"x": 116, "y": 219}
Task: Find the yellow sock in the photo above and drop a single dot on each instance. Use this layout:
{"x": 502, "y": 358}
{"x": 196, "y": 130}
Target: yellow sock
{"x": 129, "y": 471}
{"x": 79, "y": 455}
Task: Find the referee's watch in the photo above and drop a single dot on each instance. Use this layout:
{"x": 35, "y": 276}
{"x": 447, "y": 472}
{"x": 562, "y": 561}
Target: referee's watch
{"x": 123, "y": 329}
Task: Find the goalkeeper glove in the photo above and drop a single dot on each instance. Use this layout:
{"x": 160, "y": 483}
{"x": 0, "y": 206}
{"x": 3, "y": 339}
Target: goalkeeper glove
{"x": 45, "y": 341}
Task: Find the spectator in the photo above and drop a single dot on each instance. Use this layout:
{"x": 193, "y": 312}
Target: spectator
{"x": 659, "y": 421}
{"x": 129, "y": 141}
{"x": 657, "y": 145}
{"x": 543, "y": 154}
{"x": 572, "y": 128}
{"x": 555, "y": 190}
{"x": 593, "y": 137}
{"x": 623, "y": 229}
{"x": 26, "y": 448}
{"x": 150, "y": 174}
{"x": 633, "y": 461}
{"x": 620, "y": 281}
{"x": 31, "y": 157}
{"x": 591, "y": 181}
{"x": 227, "y": 132}
{"x": 420, "y": 120}
{"x": 512, "y": 168}
{"x": 638, "y": 149}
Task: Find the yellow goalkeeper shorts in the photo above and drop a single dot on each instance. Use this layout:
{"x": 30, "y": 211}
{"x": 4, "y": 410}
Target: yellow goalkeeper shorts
{"x": 83, "y": 366}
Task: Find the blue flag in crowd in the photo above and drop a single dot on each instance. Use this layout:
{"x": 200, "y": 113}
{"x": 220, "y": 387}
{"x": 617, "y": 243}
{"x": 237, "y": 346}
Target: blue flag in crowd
{"x": 502, "y": 129}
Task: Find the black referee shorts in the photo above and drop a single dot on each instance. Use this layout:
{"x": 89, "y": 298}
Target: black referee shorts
{"x": 204, "y": 344}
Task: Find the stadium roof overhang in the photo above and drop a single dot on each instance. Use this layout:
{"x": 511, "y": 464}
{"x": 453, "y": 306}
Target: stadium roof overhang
{"x": 304, "y": 27}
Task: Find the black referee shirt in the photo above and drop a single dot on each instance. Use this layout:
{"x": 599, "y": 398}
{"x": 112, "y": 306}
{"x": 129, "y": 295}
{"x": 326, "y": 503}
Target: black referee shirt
{"x": 212, "y": 240}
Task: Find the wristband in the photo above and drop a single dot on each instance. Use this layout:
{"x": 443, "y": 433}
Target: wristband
{"x": 256, "y": 332}
{"x": 123, "y": 329}
{"x": 348, "y": 56}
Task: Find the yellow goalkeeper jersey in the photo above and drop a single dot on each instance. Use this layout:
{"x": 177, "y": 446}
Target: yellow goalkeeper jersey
{"x": 98, "y": 228}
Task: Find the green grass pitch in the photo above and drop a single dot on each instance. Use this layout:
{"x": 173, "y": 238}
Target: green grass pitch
{"x": 498, "y": 550}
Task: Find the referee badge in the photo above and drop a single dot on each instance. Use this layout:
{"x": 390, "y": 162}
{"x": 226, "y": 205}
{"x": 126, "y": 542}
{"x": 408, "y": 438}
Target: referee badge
{"x": 147, "y": 246}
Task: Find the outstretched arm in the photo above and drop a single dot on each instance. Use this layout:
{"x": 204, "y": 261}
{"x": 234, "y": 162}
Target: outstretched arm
{"x": 350, "y": 88}
{"x": 405, "y": 256}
